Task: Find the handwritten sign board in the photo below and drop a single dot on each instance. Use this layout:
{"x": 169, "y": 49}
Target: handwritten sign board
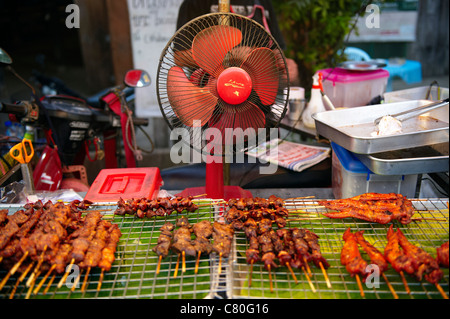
{"x": 393, "y": 26}
{"x": 152, "y": 25}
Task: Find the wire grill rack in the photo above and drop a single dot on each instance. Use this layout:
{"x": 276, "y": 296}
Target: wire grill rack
{"x": 133, "y": 274}
{"x": 428, "y": 232}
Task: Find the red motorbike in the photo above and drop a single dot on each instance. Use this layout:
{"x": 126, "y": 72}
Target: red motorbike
{"x": 72, "y": 125}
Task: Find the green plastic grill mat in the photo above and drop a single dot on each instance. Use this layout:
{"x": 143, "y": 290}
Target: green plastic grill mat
{"x": 427, "y": 234}
{"x": 133, "y": 273}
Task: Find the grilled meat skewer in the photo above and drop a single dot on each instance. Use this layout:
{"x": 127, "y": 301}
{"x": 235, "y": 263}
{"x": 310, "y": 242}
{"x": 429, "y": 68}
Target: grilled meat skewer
{"x": 144, "y": 207}
{"x": 376, "y": 257}
{"x": 164, "y": 240}
{"x": 424, "y": 264}
{"x": 351, "y": 257}
{"x": 372, "y": 207}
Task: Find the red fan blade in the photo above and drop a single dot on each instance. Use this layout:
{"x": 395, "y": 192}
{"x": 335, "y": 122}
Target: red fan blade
{"x": 189, "y": 101}
{"x": 246, "y": 115}
{"x": 260, "y": 64}
{"x": 184, "y": 58}
{"x": 211, "y": 45}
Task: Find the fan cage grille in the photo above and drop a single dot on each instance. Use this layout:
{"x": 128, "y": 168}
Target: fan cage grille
{"x": 177, "y": 53}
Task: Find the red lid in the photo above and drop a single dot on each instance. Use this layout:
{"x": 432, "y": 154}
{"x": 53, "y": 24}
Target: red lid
{"x": 234, "y": 85}
{"x": 112, "y": 184}
{"x": 346, "y": 76}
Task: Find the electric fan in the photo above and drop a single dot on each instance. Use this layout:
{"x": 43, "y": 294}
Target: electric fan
{"x": 224, "y": 73}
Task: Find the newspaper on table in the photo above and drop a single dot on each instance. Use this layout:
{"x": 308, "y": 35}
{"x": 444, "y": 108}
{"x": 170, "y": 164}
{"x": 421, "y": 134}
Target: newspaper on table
{"x": 290, "y": 155}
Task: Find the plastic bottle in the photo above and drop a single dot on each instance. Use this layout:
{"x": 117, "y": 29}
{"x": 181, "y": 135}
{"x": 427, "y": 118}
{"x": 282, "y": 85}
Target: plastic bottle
{"x": 315, "y": 104}
{"x": 29, "y": 132}
{"x": 14, "y": 129}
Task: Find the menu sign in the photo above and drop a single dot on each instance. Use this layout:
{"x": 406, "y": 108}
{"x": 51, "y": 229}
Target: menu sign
{"x": 153, "y": 23}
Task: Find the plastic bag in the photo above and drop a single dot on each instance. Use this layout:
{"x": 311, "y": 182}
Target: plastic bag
{"x": 13, "y": 193}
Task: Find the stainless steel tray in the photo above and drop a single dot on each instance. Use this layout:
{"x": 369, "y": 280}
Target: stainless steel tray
{"x": 417, "y": 160}
{"x": 351, "y": 128}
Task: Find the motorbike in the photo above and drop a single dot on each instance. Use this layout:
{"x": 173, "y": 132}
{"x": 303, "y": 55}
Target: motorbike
{"x": 72, "y": 124}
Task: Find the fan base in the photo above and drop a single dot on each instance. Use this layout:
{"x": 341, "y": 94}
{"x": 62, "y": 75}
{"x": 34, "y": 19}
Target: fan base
{"x": 229, "y": 192}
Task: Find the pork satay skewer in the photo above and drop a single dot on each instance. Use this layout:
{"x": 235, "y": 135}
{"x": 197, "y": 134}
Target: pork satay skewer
{"x": 108, "y": 251}
{"x": 164, "y": 242}
{"x": 222, "y": 237}
{"x": 203, "y": 231}
{"x": 313, "y": 242}
{"x": 376, "y": 257}
{"x": 302, "y": 248}
{"x": 182, "y": 241}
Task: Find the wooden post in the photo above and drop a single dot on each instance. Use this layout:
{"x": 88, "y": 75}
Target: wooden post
{"x": 95, "y": 43}
{"x": 120, "y": 40}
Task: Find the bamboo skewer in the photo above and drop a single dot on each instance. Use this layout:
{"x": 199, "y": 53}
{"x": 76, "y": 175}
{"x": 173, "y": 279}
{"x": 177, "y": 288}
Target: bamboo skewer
{"x": 250, "y": 274}
{"x": 83, "y": 286}
{"x": 49, "y": 283}
{"x": 220, "y": 264}
{"x": 389, "y": 286}
{"x": 5, "y": 279}
{"x": 305, "y": 218}
{"x": 36, "y": 269}
{"x": 176, "y": 267}
{"x": 304, "y": 197}
{"x": 20, "y": 279}
{"x": 309, "y": 280}
{"x": 158, "y": 267}
{"x": 64, "y": 277}
{"x": 292, "y": 272}
{"x": 443, "y": 294}
{"x": 307, "y": 266}
{"x": 183, "y": 262}
{"x": 324, "y": 271}
{"x": 38, "y": 287}
{"x": 405, "y": 283}
{"x": 197, "y": 262}
{"x": 100, "y": 280}
{"x": 17, "y": 265}
{"x": 13, "y": 292}
{"x": 76, "y": 281}
{"x": 13, "y": 270}
{"x": 358, "y": 281}
{"x": 25, "y": 273}
{"x": 31, "y": 287}
{"x": 429, "y": 218}
{"x": 270, "y": 278}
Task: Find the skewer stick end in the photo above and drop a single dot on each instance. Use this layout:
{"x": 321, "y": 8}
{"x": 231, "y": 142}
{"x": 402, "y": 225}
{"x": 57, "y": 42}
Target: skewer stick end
{"x": 361, "y": 290}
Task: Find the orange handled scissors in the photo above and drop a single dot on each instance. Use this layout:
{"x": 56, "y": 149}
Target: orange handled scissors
{"x": 22, "y": 152}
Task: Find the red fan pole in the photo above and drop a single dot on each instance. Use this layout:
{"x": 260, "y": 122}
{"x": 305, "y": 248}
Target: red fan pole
{"x": 214, "y": 177}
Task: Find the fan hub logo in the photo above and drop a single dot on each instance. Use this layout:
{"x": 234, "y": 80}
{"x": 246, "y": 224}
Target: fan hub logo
{"x": 234, "y": 85}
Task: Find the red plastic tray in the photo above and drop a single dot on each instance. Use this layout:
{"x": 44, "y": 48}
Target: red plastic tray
{"x": 125, "y": 183}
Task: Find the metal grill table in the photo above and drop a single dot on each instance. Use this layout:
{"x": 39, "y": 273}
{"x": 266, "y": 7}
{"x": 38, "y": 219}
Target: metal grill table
{"x": 428, "y": 234}
{"x": 133, "y": 274}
